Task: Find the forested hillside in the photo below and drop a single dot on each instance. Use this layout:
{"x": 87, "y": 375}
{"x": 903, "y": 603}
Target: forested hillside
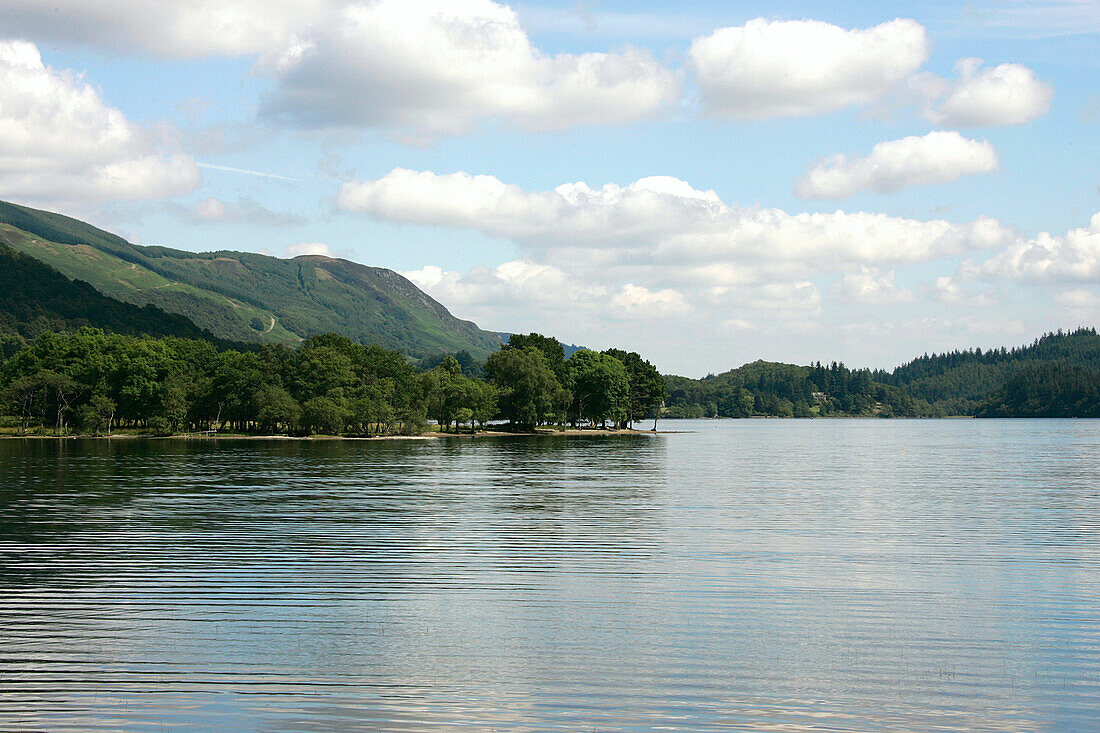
{"x": 36, "y": 299}
{"x": 1046, "y": 390}
{"x": 957, "y": 383}
{"x": 785, "y": 390}
{"x": 249, "y": 297}
{"x": 1056, "y": 375}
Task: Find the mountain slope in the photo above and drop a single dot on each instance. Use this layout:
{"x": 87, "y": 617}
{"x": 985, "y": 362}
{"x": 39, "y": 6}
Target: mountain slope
{"x": 35, "y": 298}
{"x": 248, "y": 297}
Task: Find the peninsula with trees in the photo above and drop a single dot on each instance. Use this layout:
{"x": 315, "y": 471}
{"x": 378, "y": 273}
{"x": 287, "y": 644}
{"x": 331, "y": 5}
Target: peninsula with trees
{"x": 99, "y": 336}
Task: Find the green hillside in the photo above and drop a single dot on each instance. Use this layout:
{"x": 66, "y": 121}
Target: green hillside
{"x": 773, "y": 389}
{"x": 1057, "y": 375}
{"x": 35, "y": 299}
{"x": 248, "y": 297}
{"x": 958, "y": 382}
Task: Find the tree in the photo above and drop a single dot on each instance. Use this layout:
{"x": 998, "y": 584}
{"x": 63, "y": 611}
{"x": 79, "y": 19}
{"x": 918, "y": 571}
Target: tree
{"x": 528, "y": 386}
{"x": 97, "y": 415}
{"x": 646, "y": 391}
{"x": 600, "y": 385}
{"x": 275, "y": 408}
{"x": 550, "y": 347}
{"x": 484, "y": 402}
{"x": 20, "y": 397}
{"x": 323, "y": 415}
{"x": 444, "y": 390}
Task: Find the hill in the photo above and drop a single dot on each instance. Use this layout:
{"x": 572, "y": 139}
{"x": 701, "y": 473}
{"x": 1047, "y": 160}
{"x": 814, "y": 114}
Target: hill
{"x": 957, "y": 383}
{"x": 773, "y": 389}
{"x": 248, "y": 297}
{"x": 1046, "y": 390}
{"x": 1057, "y": 375}
{"x": 35, "y": 298}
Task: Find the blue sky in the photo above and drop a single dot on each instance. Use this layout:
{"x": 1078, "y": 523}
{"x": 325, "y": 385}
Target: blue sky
{"x": 616, "y": 174}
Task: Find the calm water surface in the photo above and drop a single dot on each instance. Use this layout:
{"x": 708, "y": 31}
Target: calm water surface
{"x": 751, "y": 575}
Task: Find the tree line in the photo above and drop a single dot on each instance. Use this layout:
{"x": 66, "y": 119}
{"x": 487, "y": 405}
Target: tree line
{"x": 93, "y": 382}
{"x": 770, "y": 389}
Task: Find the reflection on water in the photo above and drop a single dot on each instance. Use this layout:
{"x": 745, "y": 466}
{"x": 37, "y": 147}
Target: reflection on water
{"x": 752, "y": 575}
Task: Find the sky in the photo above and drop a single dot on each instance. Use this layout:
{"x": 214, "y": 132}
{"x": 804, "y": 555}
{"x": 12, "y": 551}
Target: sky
{"x": 706, "y": 184}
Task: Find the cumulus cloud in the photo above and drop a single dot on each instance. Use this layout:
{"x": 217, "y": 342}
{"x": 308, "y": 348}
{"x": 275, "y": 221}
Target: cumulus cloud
{"x": 634, "y": 301}
{"x": 430, "y": 67}
{"x": 871, "y": 286}
{"x": 938, "y": 157}
{"x": 1007, "y": 94}
{"x": 518, "y": 295}
{"x": 805, "y": 67}
{"x": 948, "y": 291}
{"x": 1073, "y": 257}
{"x": 528, "y": 295}
{"x": 661, "y": 228}
{"x": 309, "y": 248}
{"x": 186, "y": 28}
{"x": 600, "y": 264}
{"x": 59, "y": 141}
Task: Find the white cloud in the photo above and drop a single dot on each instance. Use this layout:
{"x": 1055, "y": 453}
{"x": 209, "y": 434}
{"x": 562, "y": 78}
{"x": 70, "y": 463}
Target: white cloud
{"x": 871, "y": 286}
{"x": 928, "y": 333}
{"x": 1007, "y": 94}
{"x": 520, "y": 295}
{"x": 182, "y": 28}
{"x": 309, "y": 248}
{"x": 946, "y": 290}
{"x": 508, "y": 284}
{"x": 1084, "y": 299}
{"x": 938, "y": 157}
{"x": 660, "y": 231}
{"x": 805, "y": 67}
{"x": 60, "y": 142}
{"x": 705, "y": 266}
{"x": 1074, "y": 257}
{"x": 634, "y": 301}
{"x": 430, "y": 67}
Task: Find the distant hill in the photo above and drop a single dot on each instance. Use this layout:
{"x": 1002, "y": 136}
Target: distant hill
{"x": 35, "y": 298}
{"x": 773, "y": 389}
{"x": 248, "y": 297}
{"x": 1057, "y": 375}
{"x": 959, "y": 382}
{"x": 1046, "y": 390}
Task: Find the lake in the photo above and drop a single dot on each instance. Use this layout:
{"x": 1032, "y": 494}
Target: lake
{"x": 763, "y": 575}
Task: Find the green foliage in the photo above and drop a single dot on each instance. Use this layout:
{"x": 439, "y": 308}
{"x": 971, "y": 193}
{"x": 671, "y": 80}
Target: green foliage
{"x": 35, "y": 299}
{"x": 323, "y": 415}
{"x": 97, "y": 415}
{"x": 785, "y": 390}
{"x": 647, "y": 389}
{"x": 550, "y": 347}
{"x": 276, "y": 410}
{"x": 959, "y": 382}
{"x": 529, "y": 390}
{"x": 1046, "y": 390}
{"x": 600, "y": 387}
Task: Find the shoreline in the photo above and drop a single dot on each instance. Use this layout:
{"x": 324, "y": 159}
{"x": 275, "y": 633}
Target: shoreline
{"x": 569, "y": 432}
